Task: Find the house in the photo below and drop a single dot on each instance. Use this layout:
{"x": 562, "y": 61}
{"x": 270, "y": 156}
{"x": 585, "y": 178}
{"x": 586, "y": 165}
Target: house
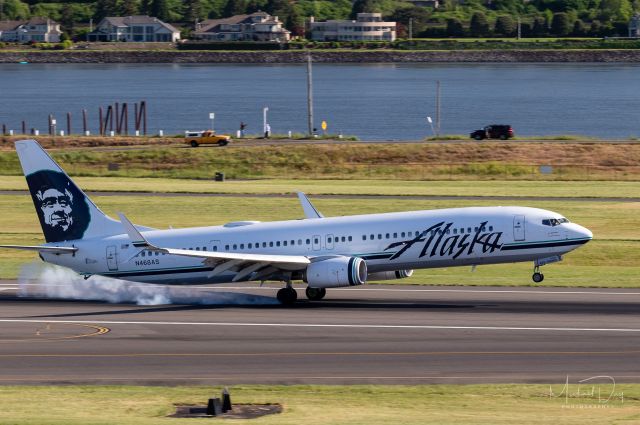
{"x": 38, "y": 29}
{"x": 258, "y": 26}
{"x": 134, "y": 28}
{"x": 366, "y": 27}
{"x": 634, "y": 26}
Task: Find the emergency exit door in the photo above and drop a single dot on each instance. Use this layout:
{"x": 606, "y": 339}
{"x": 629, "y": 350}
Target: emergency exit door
{"x": 112, "y": 258}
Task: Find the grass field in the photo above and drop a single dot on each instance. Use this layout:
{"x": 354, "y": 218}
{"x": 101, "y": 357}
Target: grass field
{"x": 612, "y": 259}
{"x": 516, "y": 188}
{"x": 317, "y": 405}
{"x": 356, "y": 161}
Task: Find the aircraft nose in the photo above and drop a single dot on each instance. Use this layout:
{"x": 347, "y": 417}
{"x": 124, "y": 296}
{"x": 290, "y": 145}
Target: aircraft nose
{"x": 582, "y": 232}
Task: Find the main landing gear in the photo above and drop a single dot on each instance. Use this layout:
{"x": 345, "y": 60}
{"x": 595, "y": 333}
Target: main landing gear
{"x": 287, "y": 295}
{"x": 537, "y": 276}
{"x": 315, "y": 294}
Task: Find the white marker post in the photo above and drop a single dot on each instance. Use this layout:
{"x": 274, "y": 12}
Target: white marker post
{"x": 212, "y": 117}
{"x": 430, "y": 121}
{"x": 264, "y": 119}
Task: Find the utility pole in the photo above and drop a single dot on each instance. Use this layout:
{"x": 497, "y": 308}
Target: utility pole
{"x": 519, "y": 29}
{"x": 438, "y": 108}
{"x": 309, "y": 95}
{"x": 410, "y": 28}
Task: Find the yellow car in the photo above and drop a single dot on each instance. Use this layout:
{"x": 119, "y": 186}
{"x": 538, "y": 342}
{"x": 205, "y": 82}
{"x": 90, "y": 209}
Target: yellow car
{"x": 207, "y": 137}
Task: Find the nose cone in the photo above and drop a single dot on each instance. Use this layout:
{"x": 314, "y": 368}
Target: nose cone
{"x": 580, "y": 232}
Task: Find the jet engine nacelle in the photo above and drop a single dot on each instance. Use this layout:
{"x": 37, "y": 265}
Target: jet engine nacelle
{"x": 336, "y": 272}
{"x": 398, "y": 274}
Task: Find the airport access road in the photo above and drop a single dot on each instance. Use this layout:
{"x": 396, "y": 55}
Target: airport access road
{"x": 372, "y": 334}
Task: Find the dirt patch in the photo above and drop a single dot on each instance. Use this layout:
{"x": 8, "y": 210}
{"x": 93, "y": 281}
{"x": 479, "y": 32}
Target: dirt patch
{"x": 239, "y": 411}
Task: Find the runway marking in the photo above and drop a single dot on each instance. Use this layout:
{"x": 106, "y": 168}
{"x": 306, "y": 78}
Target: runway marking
{"x": 97, "y": 330}
{"x": 330, "y": 325}
{"x": 303, "y": 354}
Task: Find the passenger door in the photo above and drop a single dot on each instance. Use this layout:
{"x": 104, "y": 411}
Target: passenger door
{"x": 518, "y": 228}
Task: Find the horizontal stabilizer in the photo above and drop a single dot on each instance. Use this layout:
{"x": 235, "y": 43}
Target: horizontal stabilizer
{"x": 51, "y": 249}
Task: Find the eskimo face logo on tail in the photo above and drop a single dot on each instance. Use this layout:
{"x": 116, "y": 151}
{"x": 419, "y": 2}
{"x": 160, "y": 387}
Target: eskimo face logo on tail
{"x": 61, "y": 207}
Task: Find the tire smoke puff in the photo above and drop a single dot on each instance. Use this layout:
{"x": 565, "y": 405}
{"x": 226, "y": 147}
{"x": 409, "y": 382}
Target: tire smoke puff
{"x": 39, "y": 280}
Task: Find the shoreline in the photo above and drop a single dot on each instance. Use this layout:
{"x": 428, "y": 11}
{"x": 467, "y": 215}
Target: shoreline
{"x": 324, "y": 56}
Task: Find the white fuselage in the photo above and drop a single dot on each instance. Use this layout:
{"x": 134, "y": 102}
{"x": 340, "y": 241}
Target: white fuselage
{"x": 387, "y": 242}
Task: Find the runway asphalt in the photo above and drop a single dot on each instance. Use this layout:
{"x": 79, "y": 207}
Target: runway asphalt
{"x": 389, "y": 334}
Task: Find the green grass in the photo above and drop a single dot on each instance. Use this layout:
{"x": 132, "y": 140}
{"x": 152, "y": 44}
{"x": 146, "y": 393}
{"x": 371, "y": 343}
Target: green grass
{"x": 356, "y": 161}
{"x": 611, "y": 260}
{"x": 497, "y": 188}
{"x": 318, "y": 405}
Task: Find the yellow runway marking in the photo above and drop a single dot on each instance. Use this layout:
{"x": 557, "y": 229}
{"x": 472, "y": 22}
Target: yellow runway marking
{"x": 96, "y": 330}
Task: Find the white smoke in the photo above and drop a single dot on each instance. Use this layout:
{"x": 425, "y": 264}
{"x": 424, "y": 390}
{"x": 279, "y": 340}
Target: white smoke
{"x": 43, "y": 280}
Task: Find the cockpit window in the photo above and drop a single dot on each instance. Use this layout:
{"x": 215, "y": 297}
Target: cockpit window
{"x": 554, "y": 221}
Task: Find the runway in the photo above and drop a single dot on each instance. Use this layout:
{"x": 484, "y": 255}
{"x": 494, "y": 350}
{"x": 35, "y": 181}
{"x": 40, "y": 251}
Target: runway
{"x": 391, "y": 334}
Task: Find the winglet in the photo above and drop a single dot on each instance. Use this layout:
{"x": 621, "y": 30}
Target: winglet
{"x": 136, "y": 237}
{"x": 309, "y": 210}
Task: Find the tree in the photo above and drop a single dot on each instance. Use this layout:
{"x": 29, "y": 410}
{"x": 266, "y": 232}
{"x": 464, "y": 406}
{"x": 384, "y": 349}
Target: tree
{"x": 615, "y": 10}
{"x": 192, "y": 10}
{"x": 129, "y": 8}
{"x": 505, "y": 25}
{"x": 105, "y": 8}
{"x": 479, "y": 27}
{"x": 66, "y": 18}
{"x": 160, "y": 9}
{"x": 418, "y": 16}
{"x": 560, "y": 25}
{"x": 454, "y": 28}
{"x": 295, "y": 23}
{"x": 362, "y": 6}
{"x": 579, "y": 29}
{"x": 233, "y": 7}
{"x": 13, "y": 9}
{"x": 539, "y": 28}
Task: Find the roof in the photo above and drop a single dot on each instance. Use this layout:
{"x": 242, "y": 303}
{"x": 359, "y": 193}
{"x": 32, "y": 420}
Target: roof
{"x": 39, "y": 20}
{"x": 210, "y": 25}
{"x": 127, "y": 21}
{"x": 10, "y": 25}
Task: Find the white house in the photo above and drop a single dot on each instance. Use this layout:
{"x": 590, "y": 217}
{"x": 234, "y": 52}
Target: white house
{"x": 258, "y": 26}
{"x": 634, "y": 26}
{"x": 41, "y": 30}
{"x": 134, "y": 28}
{"x": 367, "y": 27}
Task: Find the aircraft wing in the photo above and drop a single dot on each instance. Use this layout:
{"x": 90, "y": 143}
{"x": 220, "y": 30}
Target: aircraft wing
{"x": 244, "y": 263}
{"x": 39, "y": 248}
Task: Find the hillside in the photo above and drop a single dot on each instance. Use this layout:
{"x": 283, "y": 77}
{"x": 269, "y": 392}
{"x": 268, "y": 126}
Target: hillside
{"x": 453, "y": 18}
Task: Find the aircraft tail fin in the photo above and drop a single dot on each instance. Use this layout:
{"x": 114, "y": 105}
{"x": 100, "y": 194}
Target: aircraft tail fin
{"x": 65, "y": 211}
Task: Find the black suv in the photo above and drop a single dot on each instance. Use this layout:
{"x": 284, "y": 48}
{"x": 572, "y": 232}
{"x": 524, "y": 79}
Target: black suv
{"x": 494, "y": 131}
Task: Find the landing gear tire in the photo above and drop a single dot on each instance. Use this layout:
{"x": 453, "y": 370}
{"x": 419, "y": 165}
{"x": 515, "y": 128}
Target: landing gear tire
{"x": 287, "y": 296}
{"x": 315, "y": 294}
{"x": 537, "y": 277}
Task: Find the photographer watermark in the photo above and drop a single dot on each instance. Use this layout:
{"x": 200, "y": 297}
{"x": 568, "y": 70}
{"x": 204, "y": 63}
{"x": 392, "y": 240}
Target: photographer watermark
{"x": 596, "y": 392}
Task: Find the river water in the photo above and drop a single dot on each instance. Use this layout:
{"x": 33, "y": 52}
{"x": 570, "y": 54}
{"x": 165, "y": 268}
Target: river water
{"x": 371, "y": 101}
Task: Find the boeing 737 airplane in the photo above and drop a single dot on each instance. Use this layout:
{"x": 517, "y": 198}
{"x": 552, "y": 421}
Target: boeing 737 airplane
{"x": 324, "y": 252}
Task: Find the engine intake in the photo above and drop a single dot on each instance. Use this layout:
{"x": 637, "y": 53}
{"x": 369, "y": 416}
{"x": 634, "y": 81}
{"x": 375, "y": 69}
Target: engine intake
{"x": 336, "y": 272}
{"x": 398, "y": 274}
